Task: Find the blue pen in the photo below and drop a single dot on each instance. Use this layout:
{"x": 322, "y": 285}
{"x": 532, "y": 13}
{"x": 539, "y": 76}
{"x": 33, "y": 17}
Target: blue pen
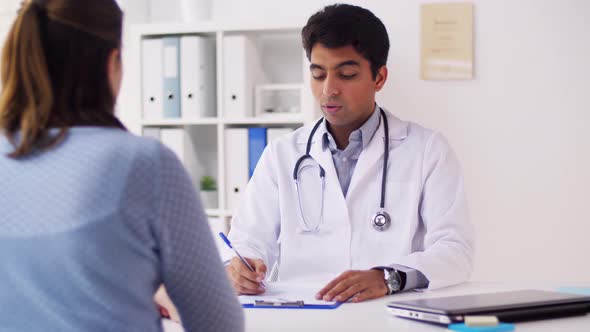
{"x": 226, "y": 240}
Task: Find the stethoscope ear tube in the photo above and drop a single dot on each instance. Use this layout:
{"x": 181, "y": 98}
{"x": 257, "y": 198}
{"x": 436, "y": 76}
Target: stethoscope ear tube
{"x": 308, "y": 228}
{"x": 298, "y": 164}
{"x": 307, "y": 151}
{"x": 385, "y": 159}
{"x": 381, "y": 220}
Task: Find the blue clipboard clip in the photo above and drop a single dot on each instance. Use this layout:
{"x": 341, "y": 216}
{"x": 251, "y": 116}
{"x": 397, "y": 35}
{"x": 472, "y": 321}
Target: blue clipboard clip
{"x": 278, "y": 303}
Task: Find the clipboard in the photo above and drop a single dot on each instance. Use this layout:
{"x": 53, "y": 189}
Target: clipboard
{"x": 280, "y": 295}
{"x": 282, "y": 304}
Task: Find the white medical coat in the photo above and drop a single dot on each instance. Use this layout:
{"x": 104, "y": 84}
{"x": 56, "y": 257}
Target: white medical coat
{"x": 430, "y": 229}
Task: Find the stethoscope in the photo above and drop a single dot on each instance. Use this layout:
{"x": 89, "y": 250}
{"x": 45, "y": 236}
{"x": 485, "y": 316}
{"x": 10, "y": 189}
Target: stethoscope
{"x": 381, "y": 219}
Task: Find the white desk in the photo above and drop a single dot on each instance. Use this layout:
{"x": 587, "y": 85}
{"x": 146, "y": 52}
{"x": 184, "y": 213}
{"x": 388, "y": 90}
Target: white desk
{"x": 372, "y": 315}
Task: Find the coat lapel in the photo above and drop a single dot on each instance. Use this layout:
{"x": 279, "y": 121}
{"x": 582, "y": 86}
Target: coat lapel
{"x": 373, "y": 153}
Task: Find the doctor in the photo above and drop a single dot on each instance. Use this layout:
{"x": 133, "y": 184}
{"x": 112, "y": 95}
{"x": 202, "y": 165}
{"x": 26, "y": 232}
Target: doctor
{"x": 372, "y": 202}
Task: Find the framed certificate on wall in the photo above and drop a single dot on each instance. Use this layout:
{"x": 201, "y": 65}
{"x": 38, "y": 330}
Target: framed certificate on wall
{"x": 447, "y": 41}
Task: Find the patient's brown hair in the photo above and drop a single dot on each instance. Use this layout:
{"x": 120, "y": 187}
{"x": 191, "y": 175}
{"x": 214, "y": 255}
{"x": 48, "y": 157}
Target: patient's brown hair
{"x": 54, "y": 71}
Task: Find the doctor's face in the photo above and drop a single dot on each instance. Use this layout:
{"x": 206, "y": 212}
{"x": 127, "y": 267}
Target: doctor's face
{"x": 342, "y": 83}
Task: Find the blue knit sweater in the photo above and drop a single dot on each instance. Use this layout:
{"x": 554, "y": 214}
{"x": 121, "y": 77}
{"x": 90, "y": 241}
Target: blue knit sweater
{"x": 89, "y": 229}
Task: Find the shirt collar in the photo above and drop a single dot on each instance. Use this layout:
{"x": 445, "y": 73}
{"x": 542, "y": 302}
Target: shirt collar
{"x": 364, "y": 133}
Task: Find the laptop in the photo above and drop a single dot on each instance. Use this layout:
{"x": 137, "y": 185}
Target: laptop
{"x": 514, "y": 306}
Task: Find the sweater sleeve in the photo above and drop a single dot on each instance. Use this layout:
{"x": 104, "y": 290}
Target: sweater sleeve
{"x": 191, "y": 267}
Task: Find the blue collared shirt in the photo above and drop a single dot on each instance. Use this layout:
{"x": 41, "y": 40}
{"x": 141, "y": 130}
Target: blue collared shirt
{"x": 345, "y": 160}
{"x": 345, "y": 163}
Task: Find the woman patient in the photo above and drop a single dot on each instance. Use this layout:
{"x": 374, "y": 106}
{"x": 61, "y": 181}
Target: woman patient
{"x": 92, "y": 218}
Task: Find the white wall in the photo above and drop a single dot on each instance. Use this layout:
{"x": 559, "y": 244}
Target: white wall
{"x": 8, "y": 9}
{"x": 519, "y": 128}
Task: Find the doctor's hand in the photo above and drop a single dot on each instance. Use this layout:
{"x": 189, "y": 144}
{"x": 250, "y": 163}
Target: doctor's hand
{"x": 360, "y": 285}
{"x": 245, "y": 281}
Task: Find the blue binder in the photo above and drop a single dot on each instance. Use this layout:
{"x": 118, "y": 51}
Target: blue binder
{"x": 171, "y": 76}
{"x": 256, "y": 145}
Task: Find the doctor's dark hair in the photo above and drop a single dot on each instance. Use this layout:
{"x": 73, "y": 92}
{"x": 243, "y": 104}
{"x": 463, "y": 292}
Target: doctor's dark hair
{"x": 342, "y": 25}
{"x": 54, "y": 71}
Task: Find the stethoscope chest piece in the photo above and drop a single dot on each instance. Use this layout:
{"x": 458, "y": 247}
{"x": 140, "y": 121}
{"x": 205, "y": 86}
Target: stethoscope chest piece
{"x": 381, "y": 221}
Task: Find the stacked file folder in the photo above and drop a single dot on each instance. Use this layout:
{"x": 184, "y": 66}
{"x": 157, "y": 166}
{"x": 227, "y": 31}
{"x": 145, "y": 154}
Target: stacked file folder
{"x": 178, "y": 77}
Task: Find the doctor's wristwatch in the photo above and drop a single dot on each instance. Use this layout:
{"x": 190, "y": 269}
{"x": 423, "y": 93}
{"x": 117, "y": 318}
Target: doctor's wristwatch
{"x": 394, "y": 279}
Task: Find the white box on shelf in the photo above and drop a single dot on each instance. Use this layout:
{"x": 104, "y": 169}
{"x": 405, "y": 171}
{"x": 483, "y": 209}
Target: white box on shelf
{"x": 278, "y": 99}
{"x": 197, "y": 81}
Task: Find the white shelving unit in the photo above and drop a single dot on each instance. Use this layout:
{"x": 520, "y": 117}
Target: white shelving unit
{"x": 285, "y": 65}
